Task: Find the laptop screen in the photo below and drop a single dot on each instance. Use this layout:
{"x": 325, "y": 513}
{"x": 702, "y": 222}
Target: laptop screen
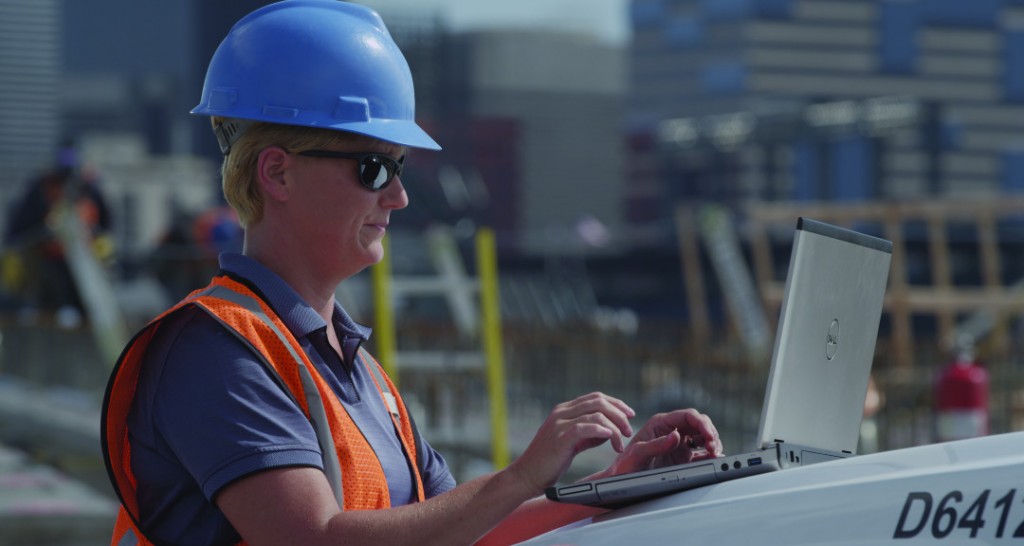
{"x": 825, "y": 339}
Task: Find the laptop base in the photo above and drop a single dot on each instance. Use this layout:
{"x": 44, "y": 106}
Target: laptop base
{"x": 625, "y": 489}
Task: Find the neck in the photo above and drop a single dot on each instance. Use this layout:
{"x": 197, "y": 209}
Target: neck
{"x": 295, "y": 265}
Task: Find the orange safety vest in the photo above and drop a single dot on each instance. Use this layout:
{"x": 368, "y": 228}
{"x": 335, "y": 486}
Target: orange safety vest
{"x": 345, "y": 451}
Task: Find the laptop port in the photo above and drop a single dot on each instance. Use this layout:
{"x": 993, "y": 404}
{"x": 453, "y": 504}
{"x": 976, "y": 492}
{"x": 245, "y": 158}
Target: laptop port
{"x": 753, "y": 461}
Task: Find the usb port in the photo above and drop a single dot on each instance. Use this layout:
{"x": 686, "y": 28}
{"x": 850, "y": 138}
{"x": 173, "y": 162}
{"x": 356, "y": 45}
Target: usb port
{"x": 754, "y": 461}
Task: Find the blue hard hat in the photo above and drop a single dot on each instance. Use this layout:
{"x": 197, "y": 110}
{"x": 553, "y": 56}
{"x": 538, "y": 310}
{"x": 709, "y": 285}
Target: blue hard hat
{"x": 314, "y": 63}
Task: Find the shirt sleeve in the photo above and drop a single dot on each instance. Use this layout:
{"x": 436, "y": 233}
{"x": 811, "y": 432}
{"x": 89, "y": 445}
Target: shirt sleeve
{"x": 219, "y": 410}
{"x": 437, "y": 476}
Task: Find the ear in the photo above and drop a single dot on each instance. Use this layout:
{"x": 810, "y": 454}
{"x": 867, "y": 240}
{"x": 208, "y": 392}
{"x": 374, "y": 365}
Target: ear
{"x": 272, "y": 166}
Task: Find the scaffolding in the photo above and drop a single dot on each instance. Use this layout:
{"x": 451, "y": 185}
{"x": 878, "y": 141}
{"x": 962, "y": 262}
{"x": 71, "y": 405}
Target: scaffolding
{"x": 475, "y": 309}
{"x": 982, "y": 310}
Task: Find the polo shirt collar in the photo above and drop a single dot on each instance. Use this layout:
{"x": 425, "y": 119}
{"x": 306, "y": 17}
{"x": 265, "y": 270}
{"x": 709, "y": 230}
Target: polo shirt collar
{"x": 298, "y": 316}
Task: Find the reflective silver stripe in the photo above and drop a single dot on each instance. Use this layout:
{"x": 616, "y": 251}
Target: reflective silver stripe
{"x": 392, "y": 403}
{"x": 389, "y": 398}
{"x": 129, "y": 539}
{"x": 317, "y": 412}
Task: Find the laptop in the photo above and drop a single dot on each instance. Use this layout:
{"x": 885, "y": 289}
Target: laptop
{"x": 820, "y": 367}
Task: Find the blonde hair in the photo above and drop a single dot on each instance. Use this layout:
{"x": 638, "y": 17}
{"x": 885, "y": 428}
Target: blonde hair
{"x": 238, "y": 171}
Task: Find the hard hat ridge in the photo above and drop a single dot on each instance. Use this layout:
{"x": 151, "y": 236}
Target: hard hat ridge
{"x": 314, "y": 63}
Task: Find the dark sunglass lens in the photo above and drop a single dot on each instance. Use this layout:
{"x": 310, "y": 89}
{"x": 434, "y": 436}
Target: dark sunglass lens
{"x": 374, "y": 173}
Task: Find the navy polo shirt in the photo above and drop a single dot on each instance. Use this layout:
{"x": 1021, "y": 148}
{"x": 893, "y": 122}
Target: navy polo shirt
{"x": 207, "y": 413}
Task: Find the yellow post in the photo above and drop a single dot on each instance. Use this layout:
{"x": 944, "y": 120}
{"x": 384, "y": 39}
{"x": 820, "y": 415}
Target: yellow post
{"x": 487, "y": 273}
{"x": 384, "y": 319}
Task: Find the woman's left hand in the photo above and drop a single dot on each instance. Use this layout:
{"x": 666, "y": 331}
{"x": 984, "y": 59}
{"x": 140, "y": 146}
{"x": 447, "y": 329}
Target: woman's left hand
{"x": 671, "y": 438}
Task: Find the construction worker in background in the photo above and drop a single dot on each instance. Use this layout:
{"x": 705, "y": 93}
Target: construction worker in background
{"x": 36, "y": 264}
{"x": 186, "y": 255}
{"x": 249, "y": 412}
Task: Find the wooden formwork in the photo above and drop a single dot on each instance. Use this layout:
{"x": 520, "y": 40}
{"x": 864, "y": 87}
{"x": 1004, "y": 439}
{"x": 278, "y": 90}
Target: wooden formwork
{"x": 941, "y": 298}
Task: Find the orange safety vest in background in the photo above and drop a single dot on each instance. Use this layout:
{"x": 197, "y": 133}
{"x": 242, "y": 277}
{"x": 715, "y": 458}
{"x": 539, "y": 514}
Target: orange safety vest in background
{"x": 345, "y": 451}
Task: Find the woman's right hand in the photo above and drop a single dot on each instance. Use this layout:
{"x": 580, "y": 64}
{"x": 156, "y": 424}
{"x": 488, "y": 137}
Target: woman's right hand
{"x": 571, "y": 428}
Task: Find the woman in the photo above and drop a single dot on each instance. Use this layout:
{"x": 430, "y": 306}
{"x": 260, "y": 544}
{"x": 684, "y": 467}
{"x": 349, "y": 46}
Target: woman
{"x": 249, "y": 411}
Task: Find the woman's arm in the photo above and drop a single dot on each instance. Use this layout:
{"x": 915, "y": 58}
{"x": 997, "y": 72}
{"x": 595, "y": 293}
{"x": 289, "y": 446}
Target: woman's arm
{"x": 296, "y": 506}
{"x": 667, "y": 438}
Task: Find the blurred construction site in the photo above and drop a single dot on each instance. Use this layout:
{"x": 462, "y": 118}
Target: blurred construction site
{"x": 558, "y": 341}
{"x": 604, "y": 216}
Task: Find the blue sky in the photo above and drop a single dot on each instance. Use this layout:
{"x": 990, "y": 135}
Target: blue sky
{"x": 605, "y": 19}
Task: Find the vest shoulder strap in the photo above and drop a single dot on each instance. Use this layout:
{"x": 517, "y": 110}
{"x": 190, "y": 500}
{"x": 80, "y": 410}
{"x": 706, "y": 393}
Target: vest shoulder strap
{"x": 310, "y": 400}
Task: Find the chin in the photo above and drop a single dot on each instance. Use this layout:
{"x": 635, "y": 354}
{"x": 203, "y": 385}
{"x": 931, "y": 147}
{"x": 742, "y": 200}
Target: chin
{"x": 374, "y": 254}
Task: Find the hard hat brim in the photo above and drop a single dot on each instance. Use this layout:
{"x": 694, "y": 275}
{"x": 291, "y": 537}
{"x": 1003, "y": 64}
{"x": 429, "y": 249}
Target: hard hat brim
{"x": 401, "y": 132}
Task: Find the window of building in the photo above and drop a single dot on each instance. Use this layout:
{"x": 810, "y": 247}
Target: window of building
{"x": 1013, "y": 59}
{"x": 646, "y": 13}
{"x": 685, "y": 32}
{"x": 1013, "y": 171}
{"x": 724, "y": 77}
{"x": 773, "y": 8}
{"x": 851, "y": 168}
{"x": 725, "y": 10}
{"x": 806, "y": 170}
{"x": 898, "y": 23}
{"x": 961, "y": 13}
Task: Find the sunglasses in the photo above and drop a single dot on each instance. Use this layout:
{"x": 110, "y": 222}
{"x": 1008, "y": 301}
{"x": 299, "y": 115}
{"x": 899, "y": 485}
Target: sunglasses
{"x": 376, "y": 170}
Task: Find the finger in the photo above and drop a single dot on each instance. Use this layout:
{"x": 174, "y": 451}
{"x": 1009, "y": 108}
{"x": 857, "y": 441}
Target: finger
{"x": 614, "y": 409}
{"x": 615, "y": 433}
{"x": 622, "y": 405}
{"x": 698, "y": 443}
{"x": 712, "y": 444}
{"x": 702, "y": 455}
{"x": 590, "y": 431}
{"x": 692, "y": 420}
{"x": 602, "y": 398}
{"x": 642, "y": 453}
{"x": 693, "y": 423}
{"x": 657, "y": 447}
{"x": 620, "y": 411}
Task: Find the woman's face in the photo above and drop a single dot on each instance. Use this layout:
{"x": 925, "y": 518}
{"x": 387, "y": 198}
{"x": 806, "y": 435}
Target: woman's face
{"x": 343, "y": 221}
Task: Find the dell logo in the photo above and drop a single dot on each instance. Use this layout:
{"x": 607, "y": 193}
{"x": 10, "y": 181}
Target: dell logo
{"x": 832, "y": 341}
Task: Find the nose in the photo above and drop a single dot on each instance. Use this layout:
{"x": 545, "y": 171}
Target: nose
{"x": 394, "y": 196}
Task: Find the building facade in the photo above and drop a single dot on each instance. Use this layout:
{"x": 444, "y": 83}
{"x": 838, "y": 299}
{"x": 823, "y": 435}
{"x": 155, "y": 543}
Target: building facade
{"x": 842, "y": 100}
{"x": 30, "y": 77}
{"x": 531, "y": 125}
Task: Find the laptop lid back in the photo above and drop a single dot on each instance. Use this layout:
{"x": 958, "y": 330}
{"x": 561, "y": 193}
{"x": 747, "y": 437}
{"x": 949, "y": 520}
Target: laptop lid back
{"x": 825, "y": 340}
